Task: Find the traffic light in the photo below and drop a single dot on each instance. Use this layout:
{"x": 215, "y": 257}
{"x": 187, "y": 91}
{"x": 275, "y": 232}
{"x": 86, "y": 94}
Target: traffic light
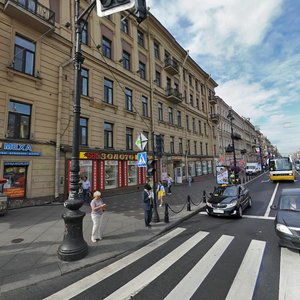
{"x": 141, "y": 11}
{"x": 150, "y": 167}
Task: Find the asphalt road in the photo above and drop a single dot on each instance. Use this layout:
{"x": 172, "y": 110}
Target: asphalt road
{"x": 204, "y": 258}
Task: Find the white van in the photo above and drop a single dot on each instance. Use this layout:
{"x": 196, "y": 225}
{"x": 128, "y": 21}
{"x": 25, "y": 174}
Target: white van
{"x": 252, "y": 168}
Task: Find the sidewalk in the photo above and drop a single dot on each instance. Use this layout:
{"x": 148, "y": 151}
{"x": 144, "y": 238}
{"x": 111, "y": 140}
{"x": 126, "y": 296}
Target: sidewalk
{"x": 31, "y": 236}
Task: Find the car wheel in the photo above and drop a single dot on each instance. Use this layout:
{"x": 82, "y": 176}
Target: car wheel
{"x": 250, "y": 202}
{"x": 240, "y": 212}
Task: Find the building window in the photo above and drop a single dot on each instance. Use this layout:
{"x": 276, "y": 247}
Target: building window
{"x": 84, "y": 82}
{"x": 172, "y": 149}
{"x": 108, "y": 135}
{"x": 187, "y": 122}
{"x": 185, "y": 96}
{"x": 206, "y": 148}
{"x": 191, "y": 100}
{"x": 129, "y": 138}
{"x": 203, "y": 107}
{"x": 145, "y": 106}
{"x": 180, "y": 146}
{"x": 190, "y": 80}
{"x": 157, "y": 78}
{"x": 200, "y": 127}
{"x": 168, "y": 84}
{"x": 195, "y": 147}
{"x": 171, "y": 121}
{"x": 128, "y": 99}
{"x": 176, "y": 87}
{"x": 85, "y": 34}
{"x": 126, "y": 60}
{"x": 108, "y": 91}
{"x": 142, "y": 70}
{"x": 188, "y": 147}
{"x": 19, "y": 118}
{"x": 202, "y": 89}
{"x": 184, "y": 75}
{"x": 83, "y": 132}
{"x": 205, "y": 131}
{"x": 106, "y": 47}
{"x": 179, "y": 118}
{"x": 141, "y": 38}
{"x": 24, "y": 56}
{"x": 156, "y": 50}
{"x": 194, "y": 124}
{"x": 197, "y": 103}
{"x": 197, "y": 85}
{"x": 201, "y": 148}
{"x": 124, "y": 24}
{"x": 160, "y": 112}
{"x": 146, "y": 134}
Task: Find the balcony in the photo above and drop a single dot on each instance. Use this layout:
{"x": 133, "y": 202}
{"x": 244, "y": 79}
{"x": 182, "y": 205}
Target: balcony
{"x": 31, "y": 13}
{"x": 173, "y": 95}
{"x": 171, "y": 66}
{"x": 212, "y": 99}
{"x": 236, "y": 136}
{"x": 215, "y": 118}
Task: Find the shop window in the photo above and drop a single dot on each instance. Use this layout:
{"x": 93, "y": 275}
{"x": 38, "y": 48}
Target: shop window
{"x": 129, "y": 138}
{"x": 198, "y": 168}
{"x": 145, "y": 106}
{"x": 83, "y": 132}
{"x": 111, "y": 174}
{"x": 86, "y": 169}
{"x": 15, "y": 187}
{"x": 132, "y": 173}
{"x": 19, "y": 118}
{"x": 106, "y": 47}
{"x": 126, "y": 60}
{"x": 108, "y": 135}
{"x": 204, "y": 167}
{"x": 128, "y": 99}
{"x": 24, "y": 56}
{"x": 84, "y": 82}
{"x": 108, "y": 91}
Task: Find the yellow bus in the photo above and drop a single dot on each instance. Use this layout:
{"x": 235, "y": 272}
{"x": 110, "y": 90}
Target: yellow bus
{"x": 282, "y": 169}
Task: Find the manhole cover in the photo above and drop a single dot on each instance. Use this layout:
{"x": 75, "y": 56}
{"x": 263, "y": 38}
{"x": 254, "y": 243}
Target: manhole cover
{"x": 16, "y": 241}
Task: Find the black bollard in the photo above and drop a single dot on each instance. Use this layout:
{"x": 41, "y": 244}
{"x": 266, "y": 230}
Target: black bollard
{"x": 188, "y": 206}
{"x": 166, "y": 213}
{"x": 204, "y": 197}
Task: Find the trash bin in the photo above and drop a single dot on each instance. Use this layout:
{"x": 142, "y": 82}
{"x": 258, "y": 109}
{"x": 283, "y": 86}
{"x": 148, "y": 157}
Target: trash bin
{"x": 3, "y": 198}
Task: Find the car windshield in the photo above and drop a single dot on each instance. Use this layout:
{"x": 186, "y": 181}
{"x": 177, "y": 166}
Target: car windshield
{"x": 290, "y": 202}
{"x": 230, "y": 191}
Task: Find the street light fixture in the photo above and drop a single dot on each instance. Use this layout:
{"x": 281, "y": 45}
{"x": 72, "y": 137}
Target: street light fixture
{"x": 231, "y": 118}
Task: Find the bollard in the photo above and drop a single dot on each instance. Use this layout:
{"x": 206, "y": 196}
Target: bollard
{"x": 166, "y": 213}
{"x": 188, "y": 206}
{"x": 204, "y": 197}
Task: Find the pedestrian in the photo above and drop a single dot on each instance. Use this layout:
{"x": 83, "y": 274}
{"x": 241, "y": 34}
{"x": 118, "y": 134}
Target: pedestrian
{"x": 98, "y": 208}
{"x": 190, "y": 180}
{"x": 86, "y": 185}
{"x": 169, "y": 184}
{"x": 147, "y": 200}
{"x": 160, "y": 193}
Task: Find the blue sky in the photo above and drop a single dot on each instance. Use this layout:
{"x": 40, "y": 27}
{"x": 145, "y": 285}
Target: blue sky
{"x": 251, "y": 48}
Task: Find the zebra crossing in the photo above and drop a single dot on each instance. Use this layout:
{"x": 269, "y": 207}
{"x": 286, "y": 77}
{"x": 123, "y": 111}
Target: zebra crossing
{"x": 243, "y": 284}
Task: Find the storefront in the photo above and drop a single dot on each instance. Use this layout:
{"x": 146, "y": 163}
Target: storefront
{"x": 108, "y": 171}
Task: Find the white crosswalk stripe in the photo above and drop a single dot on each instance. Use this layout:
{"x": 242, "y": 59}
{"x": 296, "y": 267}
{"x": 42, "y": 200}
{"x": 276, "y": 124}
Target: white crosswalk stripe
{"x": 242, "y": 285}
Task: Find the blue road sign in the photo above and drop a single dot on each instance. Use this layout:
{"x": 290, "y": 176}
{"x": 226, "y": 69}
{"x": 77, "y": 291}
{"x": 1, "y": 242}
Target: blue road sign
{"x": 142, "y": 159}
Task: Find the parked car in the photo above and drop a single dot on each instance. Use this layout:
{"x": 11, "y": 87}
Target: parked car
{"x": 287, "y": 221}
{"x": 230, "y": 200}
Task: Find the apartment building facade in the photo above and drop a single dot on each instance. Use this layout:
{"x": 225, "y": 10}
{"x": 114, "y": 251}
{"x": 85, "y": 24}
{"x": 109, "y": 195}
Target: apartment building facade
{"x": 135, "y": 78}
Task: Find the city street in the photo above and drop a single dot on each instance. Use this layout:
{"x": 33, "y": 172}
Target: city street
{"x": 203, "y": 258}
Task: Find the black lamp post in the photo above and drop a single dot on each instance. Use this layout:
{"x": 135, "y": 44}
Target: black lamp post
{"x": 74, "y": 246}
{"x": 231, "y": 118}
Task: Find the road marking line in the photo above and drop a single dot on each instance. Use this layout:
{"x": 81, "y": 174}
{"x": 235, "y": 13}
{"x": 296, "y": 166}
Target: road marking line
{"x": 289, "y": 278}
{"x": 271, "y": 201}
{"x": 244, "y": 282}
{"x": 246, "y": 216}
{"x": 186, "y": 288}
{"x": 93, "y": 279}
{"x": 134, "y": 286}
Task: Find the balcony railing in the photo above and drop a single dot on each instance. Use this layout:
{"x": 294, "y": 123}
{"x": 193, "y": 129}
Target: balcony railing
{"x": 212, "y": 99}
{"x": 31, "y": 13}
{"x": 171, "y": 66}
{"x": 173, "y": 95}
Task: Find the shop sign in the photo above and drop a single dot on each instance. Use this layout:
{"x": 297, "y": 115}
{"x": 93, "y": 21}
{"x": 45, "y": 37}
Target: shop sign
{"x": 18, "y": 149}
{"x": 16, "y": 163}
{"x": 106, "y": 156}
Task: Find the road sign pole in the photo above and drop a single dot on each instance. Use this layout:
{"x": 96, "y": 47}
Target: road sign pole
{"x": 155, "y": 212}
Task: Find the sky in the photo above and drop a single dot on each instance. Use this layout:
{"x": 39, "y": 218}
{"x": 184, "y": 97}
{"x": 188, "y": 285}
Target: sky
{"x": 251, "y": 48}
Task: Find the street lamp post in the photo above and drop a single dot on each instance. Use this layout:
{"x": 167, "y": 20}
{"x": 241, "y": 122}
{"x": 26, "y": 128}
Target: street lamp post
{"x": 74, "y": 246}
{"x": 231, "y": 118}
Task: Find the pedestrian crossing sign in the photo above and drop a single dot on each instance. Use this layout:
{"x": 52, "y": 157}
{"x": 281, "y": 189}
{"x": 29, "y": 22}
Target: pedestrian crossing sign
{"x": 142, "y": 159}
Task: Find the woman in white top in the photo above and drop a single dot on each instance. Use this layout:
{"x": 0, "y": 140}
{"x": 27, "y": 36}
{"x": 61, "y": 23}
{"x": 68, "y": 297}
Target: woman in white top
{"x": 98, "y": 207}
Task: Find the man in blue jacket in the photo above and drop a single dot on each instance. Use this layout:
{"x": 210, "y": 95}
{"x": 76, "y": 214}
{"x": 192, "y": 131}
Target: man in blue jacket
{"x": 147, "y": 199}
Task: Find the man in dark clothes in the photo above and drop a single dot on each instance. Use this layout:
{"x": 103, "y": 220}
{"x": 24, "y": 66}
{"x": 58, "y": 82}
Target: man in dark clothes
{"x": 147, "y": 205}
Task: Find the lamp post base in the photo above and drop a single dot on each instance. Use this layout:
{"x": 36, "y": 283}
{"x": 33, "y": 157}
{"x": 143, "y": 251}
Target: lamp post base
{"x": 73, "y": 246}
